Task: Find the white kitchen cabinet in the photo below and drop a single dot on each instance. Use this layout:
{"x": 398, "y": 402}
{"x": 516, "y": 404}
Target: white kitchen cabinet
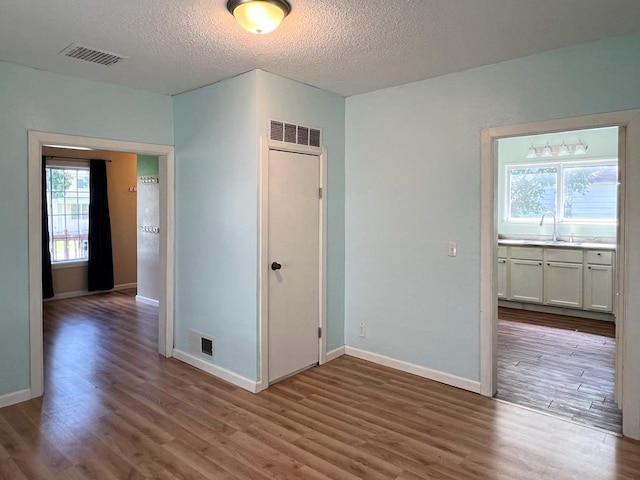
{"x": 563, "y": 284}
{"x": 558, "y": 277}
{"x": 598, "y": 288}
{"x": 502, "y": 278}
{"x": 526, "y": 277}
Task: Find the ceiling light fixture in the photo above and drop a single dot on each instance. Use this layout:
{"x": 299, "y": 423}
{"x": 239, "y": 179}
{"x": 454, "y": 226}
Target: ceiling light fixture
{"x": 259, "y": 16}
{"x": 557, "y": 150}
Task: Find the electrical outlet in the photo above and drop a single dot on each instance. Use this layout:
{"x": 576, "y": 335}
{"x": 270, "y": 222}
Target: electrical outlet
{"x": 361, "y": 330}
{"x": 453, "y": 249}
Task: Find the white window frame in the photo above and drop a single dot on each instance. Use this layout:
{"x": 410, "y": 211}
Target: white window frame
{"x": 560, "y": 165}
{"x": 74, "y": 165}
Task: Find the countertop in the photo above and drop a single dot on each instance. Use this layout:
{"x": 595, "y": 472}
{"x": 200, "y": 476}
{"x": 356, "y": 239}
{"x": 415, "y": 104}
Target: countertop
{"x": 557, "y": 244}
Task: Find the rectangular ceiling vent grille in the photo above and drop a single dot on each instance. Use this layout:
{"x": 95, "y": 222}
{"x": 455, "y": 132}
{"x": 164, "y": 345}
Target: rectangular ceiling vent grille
{"x": 298, "y": 134}
{"x": 101, "y": 57}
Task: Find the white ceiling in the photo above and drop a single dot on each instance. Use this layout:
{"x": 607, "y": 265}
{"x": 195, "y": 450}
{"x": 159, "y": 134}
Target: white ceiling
{"x": 344, "y": 46}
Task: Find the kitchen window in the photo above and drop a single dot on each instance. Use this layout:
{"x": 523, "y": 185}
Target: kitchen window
{"x": 68, "y": 213}
{"x": 577, "y": 192}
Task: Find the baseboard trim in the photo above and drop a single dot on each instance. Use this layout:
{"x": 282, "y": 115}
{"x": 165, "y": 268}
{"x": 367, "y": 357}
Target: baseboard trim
{"x": 333, "y": 354}
{"x": 570, "y": 312}
{"x": 219, "y": 372}
{"x": 147, "y": 301}
{"x": 15, "y": 397}
{"x": 85, "y": 293}
{"x": 442, "y": 377}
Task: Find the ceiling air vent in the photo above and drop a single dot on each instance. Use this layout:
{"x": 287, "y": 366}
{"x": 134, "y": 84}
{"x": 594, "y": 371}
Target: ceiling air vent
{"x": 92, "y": 55}
{"x": 298, "y": 134}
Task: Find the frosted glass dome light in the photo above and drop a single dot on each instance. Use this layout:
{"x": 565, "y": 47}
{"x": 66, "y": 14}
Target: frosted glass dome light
{"x": 259, "y": 16}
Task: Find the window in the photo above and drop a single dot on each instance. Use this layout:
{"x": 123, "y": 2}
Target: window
{"x": 68, "y": 212}
{"x": 578, "y": 192}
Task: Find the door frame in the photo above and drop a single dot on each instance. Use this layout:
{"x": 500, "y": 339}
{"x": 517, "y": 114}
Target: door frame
{"x": 263, "y": 251}
{"x": 627, "y": 255}
{"x": 166, "y": 156}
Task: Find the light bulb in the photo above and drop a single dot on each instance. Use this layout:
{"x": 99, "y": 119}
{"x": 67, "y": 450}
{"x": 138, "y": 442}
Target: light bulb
{"x": 581, "y": 148}
{"x": 563, "y": 151}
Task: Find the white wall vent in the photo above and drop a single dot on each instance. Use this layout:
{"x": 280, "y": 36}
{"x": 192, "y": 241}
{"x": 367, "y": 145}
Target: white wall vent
{"x": 298, "y": 134}
{"x": 92, "y": 55}
{"x": 201, "y": 343}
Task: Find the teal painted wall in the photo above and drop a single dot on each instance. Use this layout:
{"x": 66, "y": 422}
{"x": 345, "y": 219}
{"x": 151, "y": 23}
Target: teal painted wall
{"x": 36, "y": 100}
{"x": 413, "y": 184}
{"x": 147, "y": 165}
{"x": 217, "y": 220}
{"x": 283, "y": 99}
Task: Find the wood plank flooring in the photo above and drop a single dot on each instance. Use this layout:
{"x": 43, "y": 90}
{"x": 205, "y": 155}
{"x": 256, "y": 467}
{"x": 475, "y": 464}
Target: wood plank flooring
{"x": 114, "y": 409}
{"x": 560, "y": 365}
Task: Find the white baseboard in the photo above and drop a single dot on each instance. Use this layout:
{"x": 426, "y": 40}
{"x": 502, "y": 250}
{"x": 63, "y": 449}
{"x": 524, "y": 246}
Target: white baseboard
{"x": 223, "y": 373}
{"x": 147, "y": 300}
{"x": 84, "y": 293}
{"x": 570, "y": 312}
{"x": 442, "y": 377}
{"x": 333, "y": 354}
{"x": 15, "y": 397}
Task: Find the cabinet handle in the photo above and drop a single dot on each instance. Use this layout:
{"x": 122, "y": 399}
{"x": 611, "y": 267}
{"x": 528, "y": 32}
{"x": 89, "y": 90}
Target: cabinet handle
{"x": 589, "y": 268}
{"x": 541, "y": 263}
{"x": 599, "y": 254}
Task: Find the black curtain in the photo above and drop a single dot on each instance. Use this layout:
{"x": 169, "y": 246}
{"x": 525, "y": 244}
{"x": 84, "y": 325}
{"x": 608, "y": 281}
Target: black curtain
{"x": 100, "y": 251}
{"x": 47, "y": 278}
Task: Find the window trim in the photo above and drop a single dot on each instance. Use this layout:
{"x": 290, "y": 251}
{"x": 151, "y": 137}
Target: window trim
{"x": 560, "y": 165}
{"x": 70, "y": 165}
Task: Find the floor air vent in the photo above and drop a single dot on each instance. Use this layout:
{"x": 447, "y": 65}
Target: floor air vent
{"x": 101, "y": 57}
{"x": 298, "y": 134}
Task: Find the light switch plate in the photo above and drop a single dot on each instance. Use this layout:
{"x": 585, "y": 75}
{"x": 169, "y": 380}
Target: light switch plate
{"x": 453, "y": 249}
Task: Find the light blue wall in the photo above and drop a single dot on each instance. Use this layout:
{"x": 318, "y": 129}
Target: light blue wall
{"x": 217, "y": 220}
{"x": 413, "y": 184}
{"x": 602, "y": 144}
{"x": 283, "y": 99}
{"x": 36, "y": 100}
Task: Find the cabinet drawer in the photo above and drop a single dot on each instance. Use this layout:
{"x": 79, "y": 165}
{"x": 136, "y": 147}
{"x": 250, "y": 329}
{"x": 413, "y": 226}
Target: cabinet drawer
{"x": 502, "y": 252}
{"x": 596, "y": 257}
{"x": 567, "y": 256}
{"x": 526, "y": 253}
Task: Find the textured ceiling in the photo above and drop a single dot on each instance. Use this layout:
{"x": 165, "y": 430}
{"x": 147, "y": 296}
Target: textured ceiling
{"x": 344, "y": 46}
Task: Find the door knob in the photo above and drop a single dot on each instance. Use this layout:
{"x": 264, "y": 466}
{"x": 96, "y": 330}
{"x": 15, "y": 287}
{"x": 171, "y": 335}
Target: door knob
{"x": 276, "y": 266}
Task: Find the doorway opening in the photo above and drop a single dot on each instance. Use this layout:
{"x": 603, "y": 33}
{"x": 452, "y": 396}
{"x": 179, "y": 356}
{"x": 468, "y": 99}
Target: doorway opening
{"x": 557, "y": 221}
{"x": 165, "y": 230}
{"x": 553, "y": 274}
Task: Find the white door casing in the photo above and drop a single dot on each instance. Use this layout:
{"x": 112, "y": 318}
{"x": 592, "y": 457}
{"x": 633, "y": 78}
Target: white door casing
{"x": 294, "y": 226}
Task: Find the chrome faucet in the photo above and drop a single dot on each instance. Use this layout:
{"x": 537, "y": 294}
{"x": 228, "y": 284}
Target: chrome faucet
{"x": 555, "y": 234}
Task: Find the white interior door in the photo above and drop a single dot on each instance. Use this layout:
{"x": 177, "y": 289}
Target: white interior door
{"x": 294, "y": 262}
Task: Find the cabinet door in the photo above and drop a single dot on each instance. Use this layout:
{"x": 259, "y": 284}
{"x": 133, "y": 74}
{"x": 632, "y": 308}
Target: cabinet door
{"x": 502, "y": 278}
{"x": 526, "y": 280}
{"x": 563, "y": 284}
{"x": 598, "y": 288}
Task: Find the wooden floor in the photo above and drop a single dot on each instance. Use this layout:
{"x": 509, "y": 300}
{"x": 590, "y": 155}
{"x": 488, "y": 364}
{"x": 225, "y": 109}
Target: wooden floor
{"x": 114, "y": 409}
{"x": 560, "y": 365}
